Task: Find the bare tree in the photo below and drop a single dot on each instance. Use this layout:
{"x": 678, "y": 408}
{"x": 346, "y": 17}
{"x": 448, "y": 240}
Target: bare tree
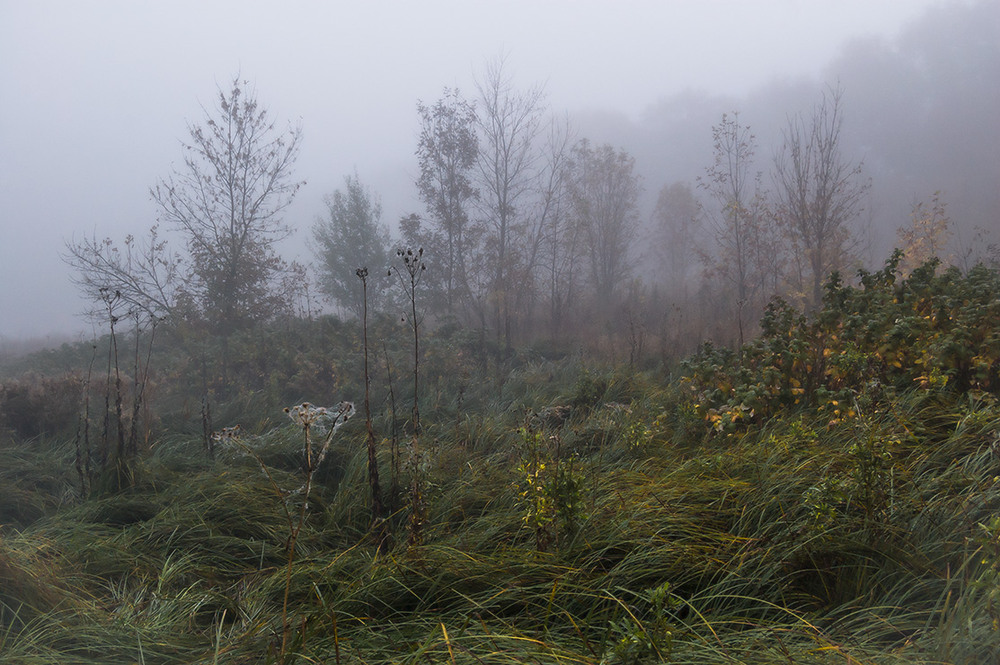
{"x": 559, "y": 233}
{"x": 543, "y": 211}
{"x": 605, "y": 194}
{"x": 447, "y": 154}
{"x": 227, "y": 199}
{"x": 509, "y": 124}
{"x": 819, "y": 193}
{"x": 746, "y": 242}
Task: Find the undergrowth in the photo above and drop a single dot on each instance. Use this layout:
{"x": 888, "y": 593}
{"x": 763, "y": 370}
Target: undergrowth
{"x": 829, "y": 495}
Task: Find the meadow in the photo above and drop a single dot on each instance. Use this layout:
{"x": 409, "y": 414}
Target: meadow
{"x": 829, "y": 493}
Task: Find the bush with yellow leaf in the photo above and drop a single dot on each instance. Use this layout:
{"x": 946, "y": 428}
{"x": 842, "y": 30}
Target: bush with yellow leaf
{"x": 930, "y": 331}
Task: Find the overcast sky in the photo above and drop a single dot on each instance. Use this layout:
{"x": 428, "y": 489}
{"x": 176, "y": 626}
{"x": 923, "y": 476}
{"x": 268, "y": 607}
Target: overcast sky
{"x": 95, "y": 96}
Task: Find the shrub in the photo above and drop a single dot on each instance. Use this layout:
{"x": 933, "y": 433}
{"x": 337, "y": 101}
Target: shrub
{"x": 933, "y": 332}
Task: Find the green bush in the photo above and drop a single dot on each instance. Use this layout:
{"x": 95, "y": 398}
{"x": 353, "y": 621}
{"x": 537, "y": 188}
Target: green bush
{"x": 930, "y": 331}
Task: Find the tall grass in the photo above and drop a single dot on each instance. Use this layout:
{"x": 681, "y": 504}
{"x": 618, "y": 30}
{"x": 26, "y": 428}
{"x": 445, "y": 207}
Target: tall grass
{"x": 795, "y": 539}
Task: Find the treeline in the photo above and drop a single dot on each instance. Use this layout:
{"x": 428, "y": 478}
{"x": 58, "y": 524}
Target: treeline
{"x": 529, "y": 232}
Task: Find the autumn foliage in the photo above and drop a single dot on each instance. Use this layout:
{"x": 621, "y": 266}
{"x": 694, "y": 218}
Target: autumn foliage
{"x": 888, "y": 334}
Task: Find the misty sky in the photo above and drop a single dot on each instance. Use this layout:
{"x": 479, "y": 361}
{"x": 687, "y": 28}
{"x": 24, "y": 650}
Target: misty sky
{"x": 95, "y": 96}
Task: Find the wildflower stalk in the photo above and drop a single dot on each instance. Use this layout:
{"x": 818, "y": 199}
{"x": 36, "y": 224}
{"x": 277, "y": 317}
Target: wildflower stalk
{"x": 119, "y": 418}
{"x": 109, "y": 302}
{"x": 373, "y": 481}
{"x": 394, "y": 436}
{"x": 413, "y": 267}
{"x": 206, "y": 426}
{"x": 122, "y": 470}
{"x": 83, "y": 464}
{"x": 141, "y": 376}
{"x": 305, "y": 415}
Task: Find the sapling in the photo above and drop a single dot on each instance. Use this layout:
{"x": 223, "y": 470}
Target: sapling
{"x": 120, "y": 466}
{"x": 535, "y": 502}
{"x": 550, "y": 491}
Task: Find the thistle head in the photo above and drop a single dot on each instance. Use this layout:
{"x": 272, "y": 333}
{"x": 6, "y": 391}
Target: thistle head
{"x": 227, "y": 434}
{"x": 305, "y": 414}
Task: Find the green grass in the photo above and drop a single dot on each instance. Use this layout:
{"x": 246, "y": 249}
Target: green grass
{"x": 790, "y": 540}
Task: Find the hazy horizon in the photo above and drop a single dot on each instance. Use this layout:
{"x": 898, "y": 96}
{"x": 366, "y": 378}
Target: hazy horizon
{"x": 98, "y": 96}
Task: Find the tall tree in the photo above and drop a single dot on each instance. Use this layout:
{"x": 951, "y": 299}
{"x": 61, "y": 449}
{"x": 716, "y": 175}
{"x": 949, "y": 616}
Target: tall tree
{"x": 733, "y": 186}
{"x": 675, "y": 222}
{"x": 509, "y": 124}
{"x": 352, "y": 235}
{"x": 746, "y": 242}
{"x": 447, "y": 155}
{"x": 819, "y": 193}
{"x": 605, "y": 194}
{"x": 227, "y": 199}
{"x": 559, "y": 234}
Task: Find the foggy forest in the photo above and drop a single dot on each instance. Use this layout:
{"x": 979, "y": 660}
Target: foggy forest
{"x": 716, "y": 382}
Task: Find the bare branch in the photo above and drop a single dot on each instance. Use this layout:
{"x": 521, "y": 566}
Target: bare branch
{"x": 146, "y": 274}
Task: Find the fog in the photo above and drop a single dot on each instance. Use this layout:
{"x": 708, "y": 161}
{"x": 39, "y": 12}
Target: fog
{"x": 97, "y": 96}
